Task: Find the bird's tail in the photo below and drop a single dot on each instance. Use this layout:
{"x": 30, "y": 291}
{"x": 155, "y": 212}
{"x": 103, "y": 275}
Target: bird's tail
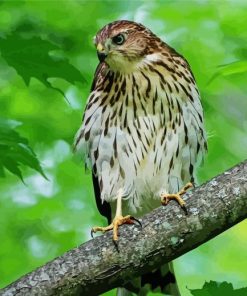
{"x": 123, "y": 292}
{"x": 161, "y": 280}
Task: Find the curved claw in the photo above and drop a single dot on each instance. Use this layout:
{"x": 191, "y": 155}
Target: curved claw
{"x": 164, "y": 200}
{"x": 185, "y": 209}
{"x": 138, "y": 221}
{"x": 92, "y": 232}
{"x": 116, "y": 245}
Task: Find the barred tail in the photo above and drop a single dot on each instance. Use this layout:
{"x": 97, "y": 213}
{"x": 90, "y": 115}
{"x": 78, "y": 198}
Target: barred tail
{"x": 161, "y": 280}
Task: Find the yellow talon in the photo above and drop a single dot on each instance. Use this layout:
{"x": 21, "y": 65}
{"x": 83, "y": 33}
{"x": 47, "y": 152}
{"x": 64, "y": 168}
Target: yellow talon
{"x": 117, "y": 221}
{"x": 165, "y": 198}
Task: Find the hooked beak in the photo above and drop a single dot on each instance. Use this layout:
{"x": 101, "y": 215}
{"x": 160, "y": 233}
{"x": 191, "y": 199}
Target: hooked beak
{"x": 101, "y": 52}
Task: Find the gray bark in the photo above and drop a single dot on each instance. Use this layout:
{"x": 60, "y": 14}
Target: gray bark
{"x": 167, "y": 233}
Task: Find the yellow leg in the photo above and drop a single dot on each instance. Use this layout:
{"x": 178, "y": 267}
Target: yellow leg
{"x": 117, "y": 221}
{"x": 165, "y": 198}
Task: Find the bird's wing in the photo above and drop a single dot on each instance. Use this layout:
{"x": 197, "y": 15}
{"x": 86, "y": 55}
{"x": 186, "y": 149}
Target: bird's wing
{"x": 104, "y": 208}
{"x": 81, "y": 146}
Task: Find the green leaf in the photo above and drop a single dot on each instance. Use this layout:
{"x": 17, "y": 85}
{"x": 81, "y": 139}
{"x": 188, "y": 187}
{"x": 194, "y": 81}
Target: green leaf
{"x": 33, "y": 57}
{"x": 230, "y": 69}
{"x": 12, "y": 165}
{"x": 15, "y": 151}
{"x": 214, "y": 289}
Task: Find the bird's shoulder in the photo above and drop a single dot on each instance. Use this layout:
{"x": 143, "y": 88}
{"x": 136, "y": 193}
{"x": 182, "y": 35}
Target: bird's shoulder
{"x": 99, "y": 75}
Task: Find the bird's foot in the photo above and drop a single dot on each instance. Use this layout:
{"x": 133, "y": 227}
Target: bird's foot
{"x": 117, "y": 221}
{"x": 165, "y": 198}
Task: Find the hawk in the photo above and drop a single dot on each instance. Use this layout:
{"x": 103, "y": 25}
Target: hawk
{"x": 142, "y": 132}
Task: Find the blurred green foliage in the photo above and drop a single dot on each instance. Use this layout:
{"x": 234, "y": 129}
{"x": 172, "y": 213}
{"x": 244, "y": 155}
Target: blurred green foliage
{"x": 47, "y": 46}
{"x": 214, "y": 289}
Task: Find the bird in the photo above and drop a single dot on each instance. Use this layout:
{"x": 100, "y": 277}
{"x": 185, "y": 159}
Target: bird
{"x": 142, "y": 133}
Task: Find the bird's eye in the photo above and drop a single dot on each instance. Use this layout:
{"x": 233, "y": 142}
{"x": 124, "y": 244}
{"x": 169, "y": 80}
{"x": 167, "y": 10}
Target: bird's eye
{"x": 118, "y": 39}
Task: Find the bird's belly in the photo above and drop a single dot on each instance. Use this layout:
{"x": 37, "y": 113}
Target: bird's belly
{"x": 141, "y": 173}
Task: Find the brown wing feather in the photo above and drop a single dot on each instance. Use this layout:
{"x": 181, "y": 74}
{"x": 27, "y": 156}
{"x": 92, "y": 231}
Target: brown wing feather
{"x": 98, "y": 75}
{"x": 104, "y": 208}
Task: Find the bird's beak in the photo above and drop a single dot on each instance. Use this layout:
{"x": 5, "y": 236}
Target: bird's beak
{"x": 101, "y": 52}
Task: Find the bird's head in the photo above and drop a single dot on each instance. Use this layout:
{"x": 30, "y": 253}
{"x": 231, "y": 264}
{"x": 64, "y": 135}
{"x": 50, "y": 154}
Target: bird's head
{"x": 124, "y": 44}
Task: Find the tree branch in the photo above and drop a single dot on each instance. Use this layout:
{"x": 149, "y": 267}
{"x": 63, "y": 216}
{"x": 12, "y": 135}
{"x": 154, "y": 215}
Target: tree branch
{"x": 96, "y": 266}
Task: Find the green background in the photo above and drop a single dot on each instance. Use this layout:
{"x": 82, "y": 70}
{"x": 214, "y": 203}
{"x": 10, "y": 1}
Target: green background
{"x": 47, "y": 51}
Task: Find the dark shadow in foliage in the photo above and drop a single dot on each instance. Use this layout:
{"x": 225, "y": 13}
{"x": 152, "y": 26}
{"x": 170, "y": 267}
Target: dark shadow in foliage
{"x": 215, "y": 289}
{"x": 15, "y": 151}
{"x": 31, "y": 57}
{"x": 31, "y": 27}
